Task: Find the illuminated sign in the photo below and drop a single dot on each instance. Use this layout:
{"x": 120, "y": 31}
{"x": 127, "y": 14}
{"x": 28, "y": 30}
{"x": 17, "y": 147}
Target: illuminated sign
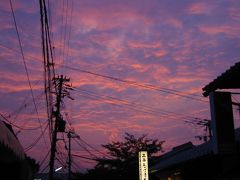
{"x": 143, "y": 165}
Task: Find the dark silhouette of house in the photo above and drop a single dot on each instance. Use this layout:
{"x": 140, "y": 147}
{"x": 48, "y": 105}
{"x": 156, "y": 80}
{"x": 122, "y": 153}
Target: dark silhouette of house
{"x": 217, "y": 159}
{"x": 13, "y": 163}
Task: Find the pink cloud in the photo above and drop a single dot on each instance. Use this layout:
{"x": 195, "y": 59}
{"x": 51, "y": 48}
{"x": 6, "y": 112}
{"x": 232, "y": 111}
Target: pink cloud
{"x": 234, "y": 13}
{"x": 174, "y": 22}
{"x": 229, "y": 30}
{"x": 149, "y": 49}
{"x": 80, "y": 80}
{"x": 144, "y": 45}
{"x": 156, "y": 54}
{"x": 147, "y": 43}
{"x": 90, "y": 18}
{"x": 201, "y": 8}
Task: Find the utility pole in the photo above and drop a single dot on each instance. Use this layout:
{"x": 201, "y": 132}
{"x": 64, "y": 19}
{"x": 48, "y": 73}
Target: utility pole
{"x": 70, "y": 135}
{"x": 59, "y": 122}
{"x": 69, "y": 155}
{"x": 203, "y": 123}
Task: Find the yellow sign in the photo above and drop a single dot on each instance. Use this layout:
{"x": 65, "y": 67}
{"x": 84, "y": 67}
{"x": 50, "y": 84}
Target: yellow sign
{"x": 143, "y": 165}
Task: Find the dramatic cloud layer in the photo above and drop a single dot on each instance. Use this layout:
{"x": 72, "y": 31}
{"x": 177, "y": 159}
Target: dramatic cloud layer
{"x": 166, "y": 46}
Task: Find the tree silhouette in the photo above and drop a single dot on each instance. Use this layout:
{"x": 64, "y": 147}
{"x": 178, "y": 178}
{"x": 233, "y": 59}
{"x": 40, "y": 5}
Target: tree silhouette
{"x": 34, "y": 166}
{"x": 124, "y": 161}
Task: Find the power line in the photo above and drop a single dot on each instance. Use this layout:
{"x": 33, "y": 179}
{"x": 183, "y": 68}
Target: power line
{"x": 76, "y": 166}
{"x": 16, "y": 126}
{"x": 24, "y": 105}
{"x": 133, "y": 83}
{"x": 44, "y": 168}
{"x": 70, "y": 28}
{"x": 135, "y": 106}
{"x": 41, "y": 163}
{"x": 25, "y": 65}
{"x": 65, "y": 12}
{"x": 136, "y": 84}
{"x": 14, "y": 50}
{"x": 80, "y": 139}
{"x": 83, "y": 157}
{"x": 36, "y": 141}
{"x": 83, "y": 146}
{"x": 47, "y": 64}
{"x": 23, "y": 58}
{"x": 61, "y": 162}
{"x": 85, "y": 149}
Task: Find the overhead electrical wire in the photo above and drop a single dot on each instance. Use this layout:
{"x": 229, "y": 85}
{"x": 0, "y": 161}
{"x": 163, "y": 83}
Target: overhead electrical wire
{"x": 61, "y": 162}
{"x": 36, "y": 141}
{"x": 87, "y": 144}
{"x": 106, "y": 155}
{"x": 75, "y": 165}
{"x": 83, "y": 157}
{"x": 24, "y": 105}
{"x": 64, "y": 34}
{"x": 114, "y": 103}
{"x": 44, "y": 168}
{"x": 137, "y": 84}
{"x": 85, "y": 149}
{"x": 113, "y": 78}
{"x": 70, "y": 30}
{"x": 49, "y": 70}
{"x": 82, "y": 146}
{"x": 60, "y": 153}
{"x": 17, "y": 51}
{"x": 124, "y": 101}
{"x": 24, "y": 62}
{"x": 44, "y": 159}
{"x": 132, "y": 83}
{"x": 133, "y": 105}
{"x": 17, "y": 126}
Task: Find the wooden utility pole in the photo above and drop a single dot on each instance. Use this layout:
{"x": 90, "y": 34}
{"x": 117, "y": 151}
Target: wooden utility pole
{"x": 54, "y": 134}
{"x": 59, "y": 122}
{"x": 70, "y": 135}
{"x": 69, "y": 155}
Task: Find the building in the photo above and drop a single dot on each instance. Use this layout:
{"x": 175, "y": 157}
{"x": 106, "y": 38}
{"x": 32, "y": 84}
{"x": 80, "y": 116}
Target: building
{"x": 217, "y": 159}
{"x": 13, "y": 163}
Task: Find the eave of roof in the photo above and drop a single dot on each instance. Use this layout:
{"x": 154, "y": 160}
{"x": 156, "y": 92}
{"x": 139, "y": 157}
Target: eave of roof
{"x": 227, "y": 80}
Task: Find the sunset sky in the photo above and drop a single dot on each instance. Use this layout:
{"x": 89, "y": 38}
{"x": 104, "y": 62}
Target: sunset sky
{"x": 170, "y": 48}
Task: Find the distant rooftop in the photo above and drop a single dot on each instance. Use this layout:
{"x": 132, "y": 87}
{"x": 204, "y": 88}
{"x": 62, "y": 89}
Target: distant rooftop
{"x": 175, "y": 156}
{"x": 186, "y": 152}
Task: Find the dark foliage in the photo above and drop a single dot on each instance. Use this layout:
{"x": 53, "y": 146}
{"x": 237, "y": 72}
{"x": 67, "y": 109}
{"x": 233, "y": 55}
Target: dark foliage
{"x": 32, "y": 164}
{"x": 123, "y": 164}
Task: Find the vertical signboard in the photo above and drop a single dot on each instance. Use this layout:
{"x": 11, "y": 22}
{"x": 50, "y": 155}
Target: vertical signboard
{"x": 143, "y": 165}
